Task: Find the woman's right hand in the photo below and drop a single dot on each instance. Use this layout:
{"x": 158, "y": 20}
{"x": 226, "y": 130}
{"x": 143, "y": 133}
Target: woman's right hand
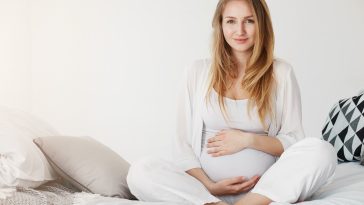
{"x": 233, "y": 186}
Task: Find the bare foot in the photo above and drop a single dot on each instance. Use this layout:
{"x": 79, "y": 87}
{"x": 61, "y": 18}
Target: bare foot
{"x": 254, "y": 199}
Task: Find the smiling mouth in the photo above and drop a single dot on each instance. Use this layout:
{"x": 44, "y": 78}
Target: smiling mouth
{"x": 241, "y": 40}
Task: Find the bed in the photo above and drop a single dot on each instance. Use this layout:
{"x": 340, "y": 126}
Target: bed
{"x": 347, "y": 188}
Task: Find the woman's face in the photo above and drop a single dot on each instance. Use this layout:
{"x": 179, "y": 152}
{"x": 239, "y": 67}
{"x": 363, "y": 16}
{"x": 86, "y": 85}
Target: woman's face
{"x": 238, "y": 26}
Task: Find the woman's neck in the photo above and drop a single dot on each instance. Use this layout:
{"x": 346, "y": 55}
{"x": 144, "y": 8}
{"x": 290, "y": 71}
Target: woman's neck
{"x": 241, "y": 60}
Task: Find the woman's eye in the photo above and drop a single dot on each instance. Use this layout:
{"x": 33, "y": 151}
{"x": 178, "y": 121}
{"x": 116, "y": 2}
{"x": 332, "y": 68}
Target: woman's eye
{"x": 250, "y": 21}
{"x": 230, "y": 21}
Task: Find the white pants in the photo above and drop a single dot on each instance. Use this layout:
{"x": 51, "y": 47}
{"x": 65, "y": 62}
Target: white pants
{"x": 300, "y": 171}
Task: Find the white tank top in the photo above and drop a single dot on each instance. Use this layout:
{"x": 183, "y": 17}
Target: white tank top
{"x": 248, "y": 162}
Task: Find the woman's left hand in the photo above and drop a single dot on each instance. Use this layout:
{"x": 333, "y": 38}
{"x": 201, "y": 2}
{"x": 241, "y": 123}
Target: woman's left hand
{"x": 228, "y": 142}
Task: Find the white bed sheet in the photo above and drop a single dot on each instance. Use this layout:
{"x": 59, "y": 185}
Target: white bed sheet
{"x": 95, "y": 199}
{"x": 346, "y": 188}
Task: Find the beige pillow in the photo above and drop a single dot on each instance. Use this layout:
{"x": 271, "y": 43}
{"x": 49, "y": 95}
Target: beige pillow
{"x": 87, "y": 164}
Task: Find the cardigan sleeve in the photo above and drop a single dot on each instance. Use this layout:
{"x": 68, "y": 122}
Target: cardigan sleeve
{"x": 183, "y": 154}
{"x": 291, "y": 130}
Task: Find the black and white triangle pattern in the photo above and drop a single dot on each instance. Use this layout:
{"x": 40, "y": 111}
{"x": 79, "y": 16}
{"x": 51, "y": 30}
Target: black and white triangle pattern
{"x": 344, "y": 128}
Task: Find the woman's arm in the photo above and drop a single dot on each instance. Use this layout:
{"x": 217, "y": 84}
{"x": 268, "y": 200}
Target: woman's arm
{"x": 229, "y": 186}
{"x": 289, "y": 100}
{"x": 232, "y": 141}
{"x": 270, "y": 145}
{"x": 200, "y": 175}
{"x": 291, "y": 129}
{"x": 182, "y": 151}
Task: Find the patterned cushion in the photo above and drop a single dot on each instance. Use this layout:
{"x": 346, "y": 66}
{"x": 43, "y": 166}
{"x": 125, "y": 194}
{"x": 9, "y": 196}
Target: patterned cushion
{"x": 344, "y": 128}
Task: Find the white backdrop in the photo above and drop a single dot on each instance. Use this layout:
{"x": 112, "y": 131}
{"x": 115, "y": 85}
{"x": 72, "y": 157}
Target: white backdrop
{"x": 110, "y": 68}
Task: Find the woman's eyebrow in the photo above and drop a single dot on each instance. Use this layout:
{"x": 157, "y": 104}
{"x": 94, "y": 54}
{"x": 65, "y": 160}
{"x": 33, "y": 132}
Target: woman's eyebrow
{"x": 232, "y": 17}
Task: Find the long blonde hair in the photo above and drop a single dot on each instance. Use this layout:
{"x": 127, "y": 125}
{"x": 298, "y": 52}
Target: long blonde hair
{"x": 258, "y": 80}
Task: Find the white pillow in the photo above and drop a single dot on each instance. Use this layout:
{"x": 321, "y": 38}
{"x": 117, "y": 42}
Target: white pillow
{"x": 21, "y": 162}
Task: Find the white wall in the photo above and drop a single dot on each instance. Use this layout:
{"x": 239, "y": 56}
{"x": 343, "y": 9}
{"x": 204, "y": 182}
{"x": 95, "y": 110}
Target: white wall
{"x": 324, "y": 42}
{"x": 110, "y": 69}
{"x": 15, "y": 81}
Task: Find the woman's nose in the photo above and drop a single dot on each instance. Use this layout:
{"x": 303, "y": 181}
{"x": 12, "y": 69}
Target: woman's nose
{"x": 241, "y": 29}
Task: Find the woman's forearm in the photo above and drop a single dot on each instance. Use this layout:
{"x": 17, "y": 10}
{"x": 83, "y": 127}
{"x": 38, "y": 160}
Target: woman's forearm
{"x": 200, "y": 175}
{"x": 270, "y": 145}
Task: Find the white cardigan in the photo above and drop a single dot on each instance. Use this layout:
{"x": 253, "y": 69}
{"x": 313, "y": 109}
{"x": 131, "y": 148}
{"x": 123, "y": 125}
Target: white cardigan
{"x": 287, "y": 126}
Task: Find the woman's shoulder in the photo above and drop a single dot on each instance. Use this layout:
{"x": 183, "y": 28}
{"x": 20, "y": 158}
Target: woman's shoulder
{"x": 200, "y": 65}
{"x": 199, "y": 68}
{"x": 282, "y": 69}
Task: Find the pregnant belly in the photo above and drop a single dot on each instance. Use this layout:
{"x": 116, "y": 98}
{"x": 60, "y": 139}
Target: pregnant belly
{"x": 247, "y": 163}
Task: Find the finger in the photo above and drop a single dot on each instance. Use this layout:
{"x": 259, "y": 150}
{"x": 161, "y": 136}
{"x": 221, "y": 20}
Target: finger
{"x": 253, "y": 180}
{"x": 214, "y": 144}
{"x": 214, "y": 139}
{"x": 246, "y": 186}
{"x": 234, "y": 180}
{"x": 238, "y": 188}
{"x": 256, "y": 178}
{"x": 253, "y": 184}
{"x": 246, "y": 189}
{"x": 213, "y": 150}
{"x": 241, "y": 188}
{"x": 248, "y": 183}
{"x": 220, "y": 153}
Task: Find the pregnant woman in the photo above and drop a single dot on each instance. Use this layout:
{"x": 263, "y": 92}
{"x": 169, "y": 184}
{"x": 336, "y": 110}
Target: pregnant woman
{"x": 239, "y": 133}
